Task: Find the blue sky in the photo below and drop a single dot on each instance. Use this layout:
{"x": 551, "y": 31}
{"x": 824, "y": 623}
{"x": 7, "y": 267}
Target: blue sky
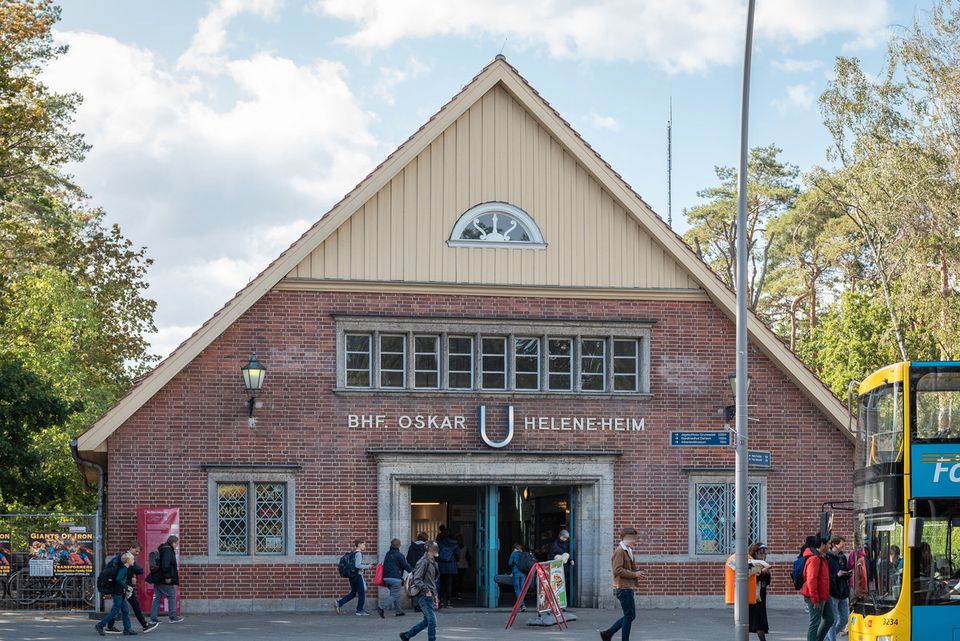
{"x": 221, "y": 129}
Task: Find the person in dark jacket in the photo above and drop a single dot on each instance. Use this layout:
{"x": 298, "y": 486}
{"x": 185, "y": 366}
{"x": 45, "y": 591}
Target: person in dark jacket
{"x": 560, "y": 550}
{"x": 447, "y": 561}
{"x": 425, "y": 581}
{"x": 165, "y": 577}
{"x": 416, "y": 549}
{"x": 394, "y": 565}
{"x": 132, "y": 600}
{"x": 120, "y": 592}
{"x": 839, "y": 586}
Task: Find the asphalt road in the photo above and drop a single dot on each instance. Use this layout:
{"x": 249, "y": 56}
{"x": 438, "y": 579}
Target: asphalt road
{"x": 454, "y": 625}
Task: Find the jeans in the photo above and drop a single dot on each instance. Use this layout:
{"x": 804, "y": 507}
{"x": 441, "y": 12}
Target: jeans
{"x": 429, "y": 620}
{"x": 121, "y": 608}
{"x": 518, "y": 580}
{"x": 821, "y": 620}
{"x": 393, "y": 600}
{"x": 841, "y": 612}
{"x": 134, "y": 604}
{"x": 357, "y": 589}
{"x": 629, "y": 607}
{"x": 161, "y": 590}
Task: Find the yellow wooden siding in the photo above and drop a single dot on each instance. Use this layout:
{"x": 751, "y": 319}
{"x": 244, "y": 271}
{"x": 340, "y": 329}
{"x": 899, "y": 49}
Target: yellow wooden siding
{"x": 495, "y": 151}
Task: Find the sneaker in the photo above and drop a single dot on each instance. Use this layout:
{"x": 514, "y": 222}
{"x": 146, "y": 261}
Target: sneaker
{"x": 149, "y": 621}
{"x": 111, "y": 630}
{"x": 604, "y": 635}
{"x": 99, "y": 629}
{"x": 404, "y": 636}
{"x": 176, "y": 619}
{"x": 336, "y": 606}
{"x": 380, "y": 611}
{"x": 362, "y": 613}
{"x": 523, "y": 608}
{"x": 151, "y": 626}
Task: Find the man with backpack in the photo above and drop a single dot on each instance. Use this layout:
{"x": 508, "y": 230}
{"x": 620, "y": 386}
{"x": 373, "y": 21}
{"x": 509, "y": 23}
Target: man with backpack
{"x": 423, "y": 584}
{"x": 165, "y": 578}
{"x": 351, "y": 566}
{"x": 115, "y": 581}
{"x": 520, "y": 564}
{"x": 132, "y": 599}
{"x": 839, "y": 586}
{"x": 816, "y": 590}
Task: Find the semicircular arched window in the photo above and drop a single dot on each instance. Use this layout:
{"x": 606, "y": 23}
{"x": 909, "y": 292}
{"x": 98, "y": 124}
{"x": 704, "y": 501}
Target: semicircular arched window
{"x": 496, "y": 225}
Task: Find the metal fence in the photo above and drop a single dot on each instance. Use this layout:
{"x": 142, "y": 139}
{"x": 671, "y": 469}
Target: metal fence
{"x": 49, "y": 562}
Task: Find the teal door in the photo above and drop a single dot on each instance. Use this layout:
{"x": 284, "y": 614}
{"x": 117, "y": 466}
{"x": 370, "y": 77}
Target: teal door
{"x": 488, "y": 542}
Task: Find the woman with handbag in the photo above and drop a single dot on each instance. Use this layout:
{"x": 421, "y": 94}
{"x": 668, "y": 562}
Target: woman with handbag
{"x": 394, "y": 565}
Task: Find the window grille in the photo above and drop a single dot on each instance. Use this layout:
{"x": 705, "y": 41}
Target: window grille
{"x": 270, "y": 517}
{"x": 266, "y": 520}
{"x": 232, "y": 518}
{"x": 715, "y": 517}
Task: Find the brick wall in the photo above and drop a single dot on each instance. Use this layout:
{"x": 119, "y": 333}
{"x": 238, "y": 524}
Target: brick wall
{"x": 199, "y": 417}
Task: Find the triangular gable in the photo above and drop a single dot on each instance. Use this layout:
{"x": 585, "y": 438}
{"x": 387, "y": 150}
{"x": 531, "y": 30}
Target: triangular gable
{"x": 498, "y": 71}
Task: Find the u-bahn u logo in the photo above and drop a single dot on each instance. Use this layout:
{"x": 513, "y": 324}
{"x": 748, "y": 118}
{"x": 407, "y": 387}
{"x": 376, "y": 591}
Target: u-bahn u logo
{"x": 483, "y": 428}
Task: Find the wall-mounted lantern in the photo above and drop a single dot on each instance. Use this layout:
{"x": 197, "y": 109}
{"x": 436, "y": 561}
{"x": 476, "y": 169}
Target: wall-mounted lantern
{"x": 253, "y": 374}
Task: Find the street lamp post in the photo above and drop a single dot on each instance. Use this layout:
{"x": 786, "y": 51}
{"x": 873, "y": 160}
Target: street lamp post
{"x": 741, "y": 613}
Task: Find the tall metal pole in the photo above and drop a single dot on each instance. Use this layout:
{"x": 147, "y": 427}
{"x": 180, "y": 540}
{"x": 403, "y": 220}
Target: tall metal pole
{"x": 670, "y": 165}
{"x": 741, "y": 614}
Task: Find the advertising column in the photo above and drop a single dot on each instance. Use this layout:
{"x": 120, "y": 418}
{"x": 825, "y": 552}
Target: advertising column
{"x": 154, "y": 525}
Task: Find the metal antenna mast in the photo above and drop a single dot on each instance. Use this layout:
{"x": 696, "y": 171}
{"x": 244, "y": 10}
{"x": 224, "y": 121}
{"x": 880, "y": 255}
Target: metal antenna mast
{"x": 670, "y": 165}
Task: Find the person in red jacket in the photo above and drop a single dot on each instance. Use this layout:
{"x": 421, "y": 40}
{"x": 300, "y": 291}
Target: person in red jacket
{"x": 816, "y": 590}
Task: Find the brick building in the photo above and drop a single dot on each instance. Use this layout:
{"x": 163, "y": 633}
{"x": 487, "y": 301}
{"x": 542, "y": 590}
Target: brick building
{"x": 493, "y": 266}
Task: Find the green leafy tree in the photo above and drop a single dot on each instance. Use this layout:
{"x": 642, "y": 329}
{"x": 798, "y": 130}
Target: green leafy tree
{"x": 771, "y": 189}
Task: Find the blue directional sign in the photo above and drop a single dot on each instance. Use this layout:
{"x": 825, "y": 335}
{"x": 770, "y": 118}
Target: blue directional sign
{"x": 700, "y": 438}
{"x": 756, "y": 458}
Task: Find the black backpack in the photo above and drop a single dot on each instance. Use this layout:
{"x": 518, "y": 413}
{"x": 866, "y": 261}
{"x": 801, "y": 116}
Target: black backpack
{"x": 346, "y": 565}
{"x": 153, "y": 561}
{"x": 107, "y": 578}
{"x": 527, "y": 561}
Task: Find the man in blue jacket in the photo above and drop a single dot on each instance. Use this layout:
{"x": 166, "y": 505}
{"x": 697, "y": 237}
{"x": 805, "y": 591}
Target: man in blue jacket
{"x": 132, "y": 601}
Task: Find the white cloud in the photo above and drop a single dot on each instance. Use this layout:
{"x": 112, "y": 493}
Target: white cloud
{"x": 796, "y": 98}
{"x": 793, "y": 65}
{"x": 680, "y": 36}
{"x": 209, "y": 42}
{"x": 166, "y": 339}
{"x": 390, "y": 77}
{"x": 604, "y": 122}
{"x": 215, "y": 178}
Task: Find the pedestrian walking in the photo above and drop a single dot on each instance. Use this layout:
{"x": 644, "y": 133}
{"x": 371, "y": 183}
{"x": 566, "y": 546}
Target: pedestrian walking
{"x": 560, "y": 551}
{"x": 416, "y": 549}
{"x": 816, "y": 590}
{"x": 517, "y": 575}
{"x": 132, "y": 601}
{"x": 425, "y": 576}
{"x": 119, "y": 590}
{"x": 351, "y": 567}
{"x": 447, "y": 561}
{"x": 839, "y": 586}
{"x": 165, "y": 577}
{"x": 758, "y": 611}
{"x": 625, "y": 575}
{"x": 394, "y": 565}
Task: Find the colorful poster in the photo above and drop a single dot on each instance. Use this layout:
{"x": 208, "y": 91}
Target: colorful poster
{"x": 554, "y": 570}
{"x": 5, "y": 558}
{"x": 71, "y": 552}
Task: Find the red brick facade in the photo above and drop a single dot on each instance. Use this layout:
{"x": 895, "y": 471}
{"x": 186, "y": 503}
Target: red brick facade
{"x": 199, "y": 417}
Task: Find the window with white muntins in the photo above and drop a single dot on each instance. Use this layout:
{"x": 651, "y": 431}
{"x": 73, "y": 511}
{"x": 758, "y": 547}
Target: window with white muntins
{"x": 496, "y": 224}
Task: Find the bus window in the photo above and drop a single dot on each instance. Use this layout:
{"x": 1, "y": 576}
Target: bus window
{"x": 937, "y": 405}
{"x": 936, "y": 558}
{"x": 878, "y": 568}
{"x": 881, "y": 425}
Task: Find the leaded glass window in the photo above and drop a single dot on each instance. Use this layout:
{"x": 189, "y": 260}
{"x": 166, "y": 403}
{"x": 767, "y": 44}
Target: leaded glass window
{"x": 232, "y": 518}
{"x": 560, "y": 363}
{"x": 526, "y": 363}
{"x": 460, "y": 362}
{"x": 257, "y": 510}
{"x": 593, "y": 364}
{"x": 358, "y": 359}
{"x": 426, "y": 362}
{"x": 715, "y": 518}
{"x": 393, "y": 360}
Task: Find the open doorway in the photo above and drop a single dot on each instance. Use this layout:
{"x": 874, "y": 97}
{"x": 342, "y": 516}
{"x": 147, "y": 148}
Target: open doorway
{"x": 486, "y": 521}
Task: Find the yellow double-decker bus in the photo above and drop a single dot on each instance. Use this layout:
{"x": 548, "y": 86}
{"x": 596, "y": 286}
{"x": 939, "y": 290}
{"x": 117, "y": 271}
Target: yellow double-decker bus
{"x": 906, "y": 581}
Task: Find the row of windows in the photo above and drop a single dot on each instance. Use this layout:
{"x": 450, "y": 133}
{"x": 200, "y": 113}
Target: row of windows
{"x": 596, "y": 364}
{"x": 252, "y": 517}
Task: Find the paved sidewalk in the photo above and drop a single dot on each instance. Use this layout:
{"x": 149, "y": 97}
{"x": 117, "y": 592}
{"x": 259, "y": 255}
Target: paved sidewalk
{"x": 455, "y": 625}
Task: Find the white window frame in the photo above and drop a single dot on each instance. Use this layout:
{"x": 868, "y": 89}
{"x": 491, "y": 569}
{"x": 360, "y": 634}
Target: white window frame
{"x": 403, "y": 358}
{"x": 572, "y": 342}
{"x": 435, "y": 353}
{"x": 505, "y": 355}
{"x": 250, "y": 478}
{"x": 370, "y": 356}
{"x": 539, "y": 358}
{"x": 607, "y": 383}
{"x": 523, "y": 218}
{"x": 637, "y": 363}
{"x": 470, "y": 355}
{"x": 728, "y": 480}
